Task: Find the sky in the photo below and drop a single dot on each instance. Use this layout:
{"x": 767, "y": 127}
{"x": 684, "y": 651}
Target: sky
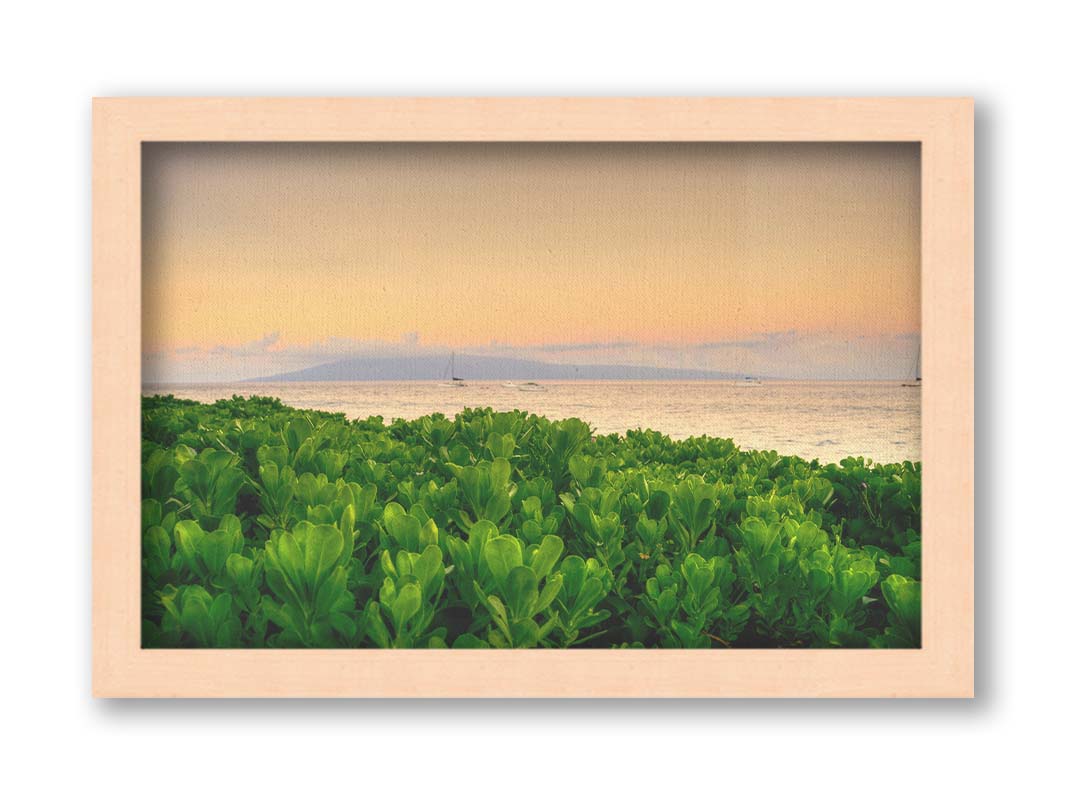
{"x": 779, "y": 260}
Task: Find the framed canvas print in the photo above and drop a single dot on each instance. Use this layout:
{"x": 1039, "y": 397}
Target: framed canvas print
{"x": 660, "y": 397}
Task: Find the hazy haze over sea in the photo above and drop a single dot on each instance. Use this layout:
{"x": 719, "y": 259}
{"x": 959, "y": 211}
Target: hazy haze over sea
{"x": 818, "y": 419}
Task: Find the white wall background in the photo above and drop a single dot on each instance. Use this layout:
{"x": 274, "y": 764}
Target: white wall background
{"x": 54, "y": 59}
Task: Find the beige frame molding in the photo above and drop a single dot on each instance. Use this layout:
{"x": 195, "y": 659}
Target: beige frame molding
{"x": 943, "y": 667}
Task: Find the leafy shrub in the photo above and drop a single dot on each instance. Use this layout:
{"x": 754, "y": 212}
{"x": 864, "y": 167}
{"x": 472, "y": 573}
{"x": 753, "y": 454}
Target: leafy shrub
{"x": 266, "y": 526}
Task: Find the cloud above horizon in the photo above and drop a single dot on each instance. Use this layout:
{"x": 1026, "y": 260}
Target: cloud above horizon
{"x": 779, "y": 354}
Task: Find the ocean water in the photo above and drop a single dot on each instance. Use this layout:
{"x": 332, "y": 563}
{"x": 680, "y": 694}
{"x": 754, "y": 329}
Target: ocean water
{"x": 824, "y": 420}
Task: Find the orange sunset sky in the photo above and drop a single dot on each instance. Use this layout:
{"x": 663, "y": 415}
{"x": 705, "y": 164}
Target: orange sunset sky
{"x": 798, "y": 260}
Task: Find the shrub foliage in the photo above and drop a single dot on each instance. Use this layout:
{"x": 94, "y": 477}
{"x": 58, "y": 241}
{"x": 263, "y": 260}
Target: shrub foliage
{"x": 266, "y": 526}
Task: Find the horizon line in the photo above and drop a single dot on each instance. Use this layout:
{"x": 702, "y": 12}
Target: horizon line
{"x": 770, "y": 379}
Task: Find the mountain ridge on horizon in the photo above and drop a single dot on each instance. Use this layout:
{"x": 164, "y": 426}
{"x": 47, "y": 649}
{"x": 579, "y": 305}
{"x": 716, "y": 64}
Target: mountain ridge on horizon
{"x": 481, "y": 368}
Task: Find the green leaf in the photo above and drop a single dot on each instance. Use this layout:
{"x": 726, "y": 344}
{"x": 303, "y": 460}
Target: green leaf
{"x": 214, "y": 548}
{"x": 574, "y": 571}
{"x": 372, "y": 620}
{"x": 497, "y": 611}
{"x": 499, "y": 474}
{"x": 291, "y": 562}
{"x": 157, "y": 548}
{"x": 407, "y": 604}
{"x": 502, "y": 555}
{"x": 239, "y": 569}
{"x": 323, "y": 547}
{"x": 525, "y": 633}
{"x": 759, "y": 537}
{"x": 904, "y": 598}
{"x": 402, "y": 527}
{"x": 810, "y": 537}
{"x": 187, "y": 536}
{"x": 658, "y": 503}
{"x": 548, "y": 593}
{"x": 546, "y": 555}
{"x": 428, "y": 565}
{"x": 520, "y": 592}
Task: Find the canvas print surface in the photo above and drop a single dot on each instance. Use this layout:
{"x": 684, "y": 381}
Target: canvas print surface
{"x": 517, "y": 395}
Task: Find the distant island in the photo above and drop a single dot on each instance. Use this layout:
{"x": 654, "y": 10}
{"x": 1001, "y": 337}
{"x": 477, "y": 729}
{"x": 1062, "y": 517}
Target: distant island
{"x": 482, "y": 368}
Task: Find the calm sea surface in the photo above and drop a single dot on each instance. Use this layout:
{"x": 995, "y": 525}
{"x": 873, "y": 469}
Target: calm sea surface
{"x": 822, "y": 420}
{"x": 814, "y": 419}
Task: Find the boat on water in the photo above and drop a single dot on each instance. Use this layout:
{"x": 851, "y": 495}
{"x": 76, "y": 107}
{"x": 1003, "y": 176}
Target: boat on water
{"x": 453, "y": 382}
{"x": 748, "y": 382}
{"x": 528, "y": 386}
{"x": 918, "y": 382}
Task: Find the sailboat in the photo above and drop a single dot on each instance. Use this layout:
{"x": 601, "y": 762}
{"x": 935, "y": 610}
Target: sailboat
{"x": 918, "y": 364}
{"x": 748, "y": 381}
{"x": 454, "y": 382}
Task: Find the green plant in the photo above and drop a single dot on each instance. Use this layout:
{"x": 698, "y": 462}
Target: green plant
{"x": 523, "y": 590}
{"x": 194, "y": 618}
{"x": 209, "y": 483}
{"x": 409, "y": 596}
{"x": 904, "y": 598}
{"x": 265, "y": 526}
{"x": 204, "y": 553}
{"x": 585, "y": 585}
{"x": 306, "y": 569}
{"x": 691, "y": 604}
{"x": 487, "y": 490}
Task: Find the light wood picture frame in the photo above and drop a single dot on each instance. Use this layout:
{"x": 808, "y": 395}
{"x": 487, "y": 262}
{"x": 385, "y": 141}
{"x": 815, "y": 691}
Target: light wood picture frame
{"x": 942, "y": 667}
